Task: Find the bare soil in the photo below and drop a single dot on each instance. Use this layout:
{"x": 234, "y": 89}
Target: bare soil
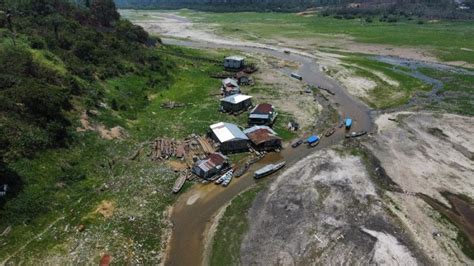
{"x": 324, "y": 210}
{"x": 117, "y": 132}
{"x": 427, "y": 153}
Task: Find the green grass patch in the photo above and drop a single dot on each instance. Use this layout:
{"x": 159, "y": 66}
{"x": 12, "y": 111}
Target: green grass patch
{"x": 393, "y": 88}
{"x": 457, "y": 92}
{"x": 448, "y": 39}
{"x": 231, "y": 229}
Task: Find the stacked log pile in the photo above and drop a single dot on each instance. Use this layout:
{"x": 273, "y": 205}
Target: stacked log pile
{"x": 192, "y": 148}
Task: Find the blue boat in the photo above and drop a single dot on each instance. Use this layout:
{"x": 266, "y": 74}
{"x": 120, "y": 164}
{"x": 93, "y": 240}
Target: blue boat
{"x": 313, "y": 140}
{"x": 348, "y": 123}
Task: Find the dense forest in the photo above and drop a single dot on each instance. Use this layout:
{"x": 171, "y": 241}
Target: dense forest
{"x": 429, "y": 8}
{"x": 54, "y": 54}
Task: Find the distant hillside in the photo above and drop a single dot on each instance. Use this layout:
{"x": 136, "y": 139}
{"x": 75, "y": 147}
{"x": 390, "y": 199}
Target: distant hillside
{"x": 433, "y": 8}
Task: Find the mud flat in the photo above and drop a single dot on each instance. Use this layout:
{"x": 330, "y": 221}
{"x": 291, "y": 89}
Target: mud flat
{"x": 430, "y": 157}
{"x": 326, "y": 210}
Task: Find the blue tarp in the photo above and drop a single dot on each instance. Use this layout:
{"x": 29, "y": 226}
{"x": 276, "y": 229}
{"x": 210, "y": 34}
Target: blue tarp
{"x": 312, "y": 139}
{"x": 348, "y": 122}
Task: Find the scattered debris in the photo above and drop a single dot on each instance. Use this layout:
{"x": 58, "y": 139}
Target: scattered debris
{"x": 356, "y": 134}
{"x": 172, "y": 105}
{"x": 327, "y": 90}
{"x": 81, "y": 228}
{"x": 6, "y": 231}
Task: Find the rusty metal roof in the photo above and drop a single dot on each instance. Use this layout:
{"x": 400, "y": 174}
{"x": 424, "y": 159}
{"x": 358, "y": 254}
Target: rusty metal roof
{"x": 212, "y": 161}
{"x": 263, "y": 108}
{"x": 261, "y": 134}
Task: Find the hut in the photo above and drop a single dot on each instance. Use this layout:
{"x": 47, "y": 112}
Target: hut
{"x": 263, "y": 138}
{"x": 262, "y": 114}
{"x": 230, "y": 87}
{"x": 213, "y": 164}
{"x": 229, "y": 137}
{"x": 236, "y": 103}
{"x": 234, "y": 62}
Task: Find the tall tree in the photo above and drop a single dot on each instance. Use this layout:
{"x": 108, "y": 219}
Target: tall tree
{"x": 105, "y": 12}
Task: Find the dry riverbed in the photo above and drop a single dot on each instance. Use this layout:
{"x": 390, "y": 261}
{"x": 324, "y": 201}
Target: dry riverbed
{"x": 375, "y": 207}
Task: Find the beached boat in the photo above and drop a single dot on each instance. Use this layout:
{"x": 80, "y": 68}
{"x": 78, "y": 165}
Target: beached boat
{"x": 268, "y": 169}
{"x": 330, "y": 131}
{"x": 227, "y": 180}
{"x": 313, "y": 141}
{"x": 348, "y": 123}
{"x": 178, "y": 184}
{"x": 223, "y": 177}
{"x": 356, "y": 134}
{"x": 242, "y": 170}
{"x": 297, "y": 143}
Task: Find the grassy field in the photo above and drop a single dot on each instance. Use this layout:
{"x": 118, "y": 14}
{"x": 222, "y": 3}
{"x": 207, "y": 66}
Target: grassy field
{"x": 393, "y": 88}
{"x": 457, "y": 93}
{"x": 68, "y": 186}
{"x": 451, "y": 41}
{"x": 231, "y": 229}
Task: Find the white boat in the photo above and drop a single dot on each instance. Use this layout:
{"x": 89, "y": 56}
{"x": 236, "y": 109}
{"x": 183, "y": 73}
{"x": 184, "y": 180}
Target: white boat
{"x": 268, "y": 169}
{"x": 178, "y": 184}
{"x": 227, "y": 180}
{"x": 224, "y": 177}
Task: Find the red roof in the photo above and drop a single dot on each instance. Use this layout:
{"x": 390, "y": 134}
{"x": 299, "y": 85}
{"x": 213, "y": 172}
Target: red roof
{"x": 262, "y": 135}
{"x": 263, "y": 108}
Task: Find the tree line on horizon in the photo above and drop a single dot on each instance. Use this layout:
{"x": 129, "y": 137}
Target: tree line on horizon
{"x": 426, "y": 8}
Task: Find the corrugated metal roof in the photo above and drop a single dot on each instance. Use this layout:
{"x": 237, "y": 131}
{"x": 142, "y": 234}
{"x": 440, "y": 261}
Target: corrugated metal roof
{"x": 227, "y": 132}
{"x": 261, "y": 134}
{"x": 212, "y": 161}
{"x": 236, "y": 98}
{"x": 259, "y": 116}
{"x": 235, "y": 57}
{"x": 263, "y": 108}
{"x": 254, "y": 128}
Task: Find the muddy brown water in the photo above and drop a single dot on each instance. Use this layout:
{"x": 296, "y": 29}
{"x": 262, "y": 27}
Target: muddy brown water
{"x": 461, "y": 214}
{"x": 196, "y": 208}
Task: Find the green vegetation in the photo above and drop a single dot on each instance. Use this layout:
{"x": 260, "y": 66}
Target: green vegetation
{"x": 393, "y": 88}
{"x": 457, "y": 94}
{"x": 450, "y": 40}
{"x": 231, "y": 229}
{"x": 347, "y": 9}
{"x": 50, "y": 74}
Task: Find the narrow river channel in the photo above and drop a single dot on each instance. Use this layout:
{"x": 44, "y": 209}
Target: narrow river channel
{"x": 195, "y": 209}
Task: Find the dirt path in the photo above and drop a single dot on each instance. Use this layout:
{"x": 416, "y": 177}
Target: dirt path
{"x": 5, "y": 261}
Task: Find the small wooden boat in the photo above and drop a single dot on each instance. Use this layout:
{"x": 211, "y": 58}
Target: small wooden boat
{"x": 297, "y": 143}
{"x": 268, "y": 169}
{"x": 296, "y": 76}
{"x": 178, "y": 184}
{"x": 356, "y": 134}
{"x": 330, "y": 131}
{"x": 242, "y": 170}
